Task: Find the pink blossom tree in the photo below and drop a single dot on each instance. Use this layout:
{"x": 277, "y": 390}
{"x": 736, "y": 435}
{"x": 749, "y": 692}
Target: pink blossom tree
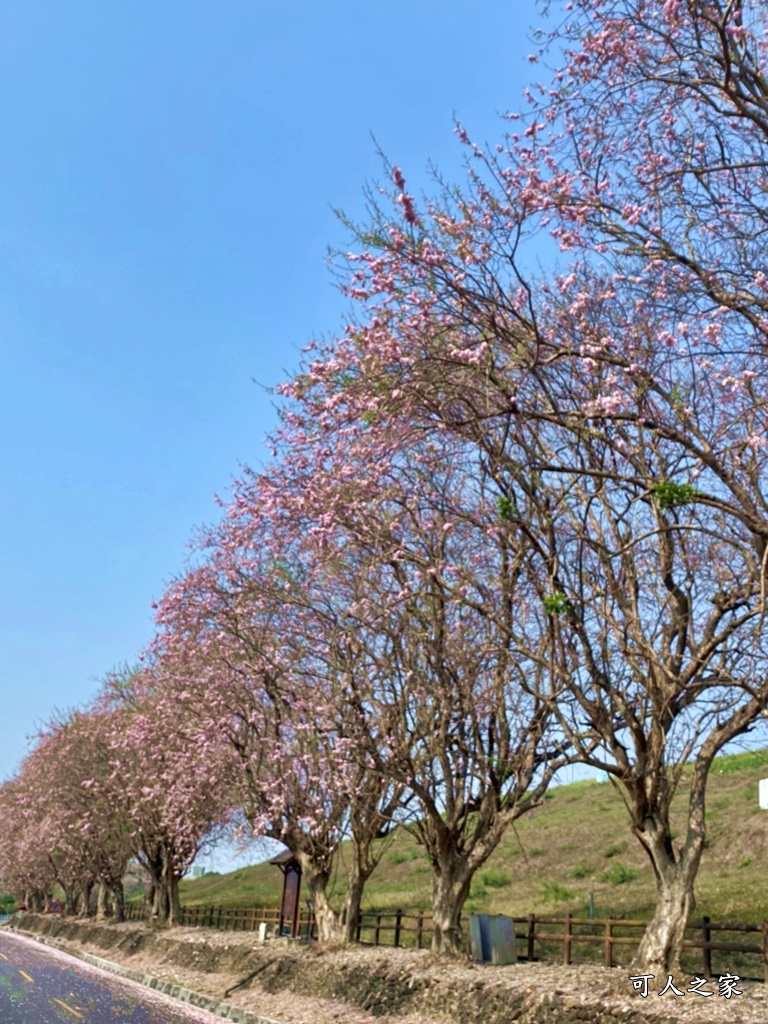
{"x": 623, "y": 396}
{"x": 444, "y": 593}
{"x": 174, "y": 782}
{"x": 50, "y": 786}
{"x": 462, "y": 684}
{"x": 254, "y": 642}
{"x": 595, "y": 434}
{"x": 25, "y": 868}
{"x": 73, "y": 819}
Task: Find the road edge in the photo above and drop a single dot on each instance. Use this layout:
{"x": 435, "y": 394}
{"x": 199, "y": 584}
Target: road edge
{"x": 184, "y": 995}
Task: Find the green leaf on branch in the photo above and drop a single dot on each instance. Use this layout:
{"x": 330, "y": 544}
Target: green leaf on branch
{"x": 556, "y": 604}
{"x": 672, "y": 495}
{"x": 507, "y": 509}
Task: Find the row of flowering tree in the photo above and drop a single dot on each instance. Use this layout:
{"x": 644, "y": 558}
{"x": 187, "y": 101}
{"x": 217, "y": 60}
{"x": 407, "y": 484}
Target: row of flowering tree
{"x": 368, "y": 673}
{"x": 514, "y": 518}
{"x": 104, "y": 786}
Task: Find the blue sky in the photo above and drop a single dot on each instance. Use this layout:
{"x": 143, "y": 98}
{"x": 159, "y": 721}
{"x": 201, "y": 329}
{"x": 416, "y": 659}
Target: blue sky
{"x": 167, "y": 187}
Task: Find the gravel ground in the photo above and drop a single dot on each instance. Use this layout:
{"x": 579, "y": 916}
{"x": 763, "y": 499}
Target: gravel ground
{"x": 569, "y": 989}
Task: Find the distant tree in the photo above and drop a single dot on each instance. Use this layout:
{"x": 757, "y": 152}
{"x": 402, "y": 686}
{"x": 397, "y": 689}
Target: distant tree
{"x": 255, "y": 644}
{"x": 173, "y": 780}
{"x": 25, "y": 868}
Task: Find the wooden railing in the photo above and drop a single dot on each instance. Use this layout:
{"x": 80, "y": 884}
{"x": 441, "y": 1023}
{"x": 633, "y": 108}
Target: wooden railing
{"x": 373, "y": 924}
{"x": 538, "y": 937}
{"x": 230, "y": 918}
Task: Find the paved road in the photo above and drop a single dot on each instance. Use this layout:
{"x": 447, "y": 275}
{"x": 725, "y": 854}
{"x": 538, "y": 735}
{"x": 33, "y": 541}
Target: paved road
{"x": 40, "y": 985}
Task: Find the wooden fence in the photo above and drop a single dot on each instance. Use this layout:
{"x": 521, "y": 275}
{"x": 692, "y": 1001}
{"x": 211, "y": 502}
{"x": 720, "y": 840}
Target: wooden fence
{"x": 568, "y": 939}
{"x": 574, "y": 939}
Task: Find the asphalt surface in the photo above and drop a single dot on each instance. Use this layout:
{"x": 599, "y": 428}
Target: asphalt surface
{"x": 39, "y": 985}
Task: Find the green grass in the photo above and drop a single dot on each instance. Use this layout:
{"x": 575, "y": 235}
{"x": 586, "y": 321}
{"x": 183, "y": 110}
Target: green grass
{"x": 553, "y": 858}
{"x": 750, "y": 760}
{"x": 496, "y": 879}
{"x": 618, "y": 874}
{"x": 554, "y": 892}
{"x": 403, "y": 856}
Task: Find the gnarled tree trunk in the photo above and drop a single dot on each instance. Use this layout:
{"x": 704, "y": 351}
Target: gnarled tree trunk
{"x": 118, "y": 901}
{"x": 171, "y": 886}
{"x": 662, "y": 941}
{"x": 86, "y": 904}
{"x": 71, "y": 894}
{"x": 336, "y": 928}
{"x": 350, "y": 911}
{"x": 329, "y": 931}
{"x": 101, "y": 902}
{"x": 451, "y": 880}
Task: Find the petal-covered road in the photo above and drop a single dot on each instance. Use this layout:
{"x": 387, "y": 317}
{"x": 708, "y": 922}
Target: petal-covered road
{"x": 39, "y": 985}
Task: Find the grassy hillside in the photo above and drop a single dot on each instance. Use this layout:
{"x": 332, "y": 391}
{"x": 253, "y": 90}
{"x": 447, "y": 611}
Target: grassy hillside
{"x": 578, "y": 841}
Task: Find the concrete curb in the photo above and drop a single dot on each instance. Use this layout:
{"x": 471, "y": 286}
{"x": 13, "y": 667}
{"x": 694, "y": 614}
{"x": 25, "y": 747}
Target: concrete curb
{"x": 184, "y": 995}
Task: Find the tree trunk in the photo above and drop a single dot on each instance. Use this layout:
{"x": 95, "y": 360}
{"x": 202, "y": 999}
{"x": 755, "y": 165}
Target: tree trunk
{"x": 332, "y": 928}
{"x": 86, "y": 906}
{"x": 118, "y": 894}
{"x": 153, "y": 861}
{"x": 450, "y": 887}
{"x": 171, "y": 885}
{"x": 329, "y": 928}
{"x": 159, "y": 906}
{"x": 71, "y": 894}
{"x": 350, "y": 912}
{"x": 101, "y": 902}
{"x": 662, "y": 941}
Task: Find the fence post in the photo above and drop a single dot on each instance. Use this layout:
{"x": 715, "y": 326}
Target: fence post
{"x": 608, "y": 943}
{"x": 706, "y": 936}
{"x": 359, "y": 925}
{"x": 531, "y": 936}
{"x": 419, "y": 929}
{"x": 377, "y": 929}
{"x": 765, "y": 951}
{"x": 567, "y": 940}
{"x": 398, "y": 923}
